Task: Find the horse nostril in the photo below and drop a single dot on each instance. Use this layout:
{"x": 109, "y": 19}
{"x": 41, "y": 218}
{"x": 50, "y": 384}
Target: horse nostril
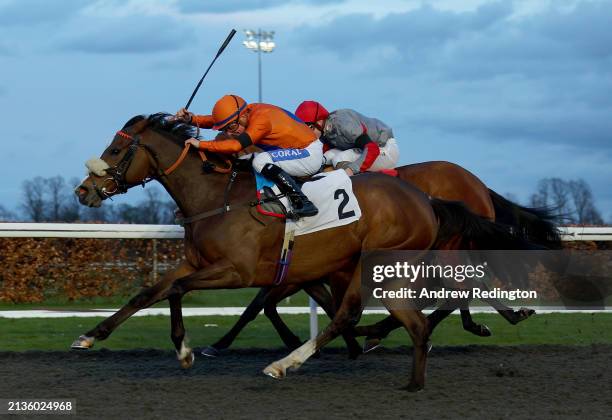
{"x": 81, "y": 190}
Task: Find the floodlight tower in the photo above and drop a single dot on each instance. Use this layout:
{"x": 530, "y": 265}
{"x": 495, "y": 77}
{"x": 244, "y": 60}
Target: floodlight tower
{"x": 260, "y": 42}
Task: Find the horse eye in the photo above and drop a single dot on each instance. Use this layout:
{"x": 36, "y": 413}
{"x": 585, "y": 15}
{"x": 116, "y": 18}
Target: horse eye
{"x": 114, "y": 151}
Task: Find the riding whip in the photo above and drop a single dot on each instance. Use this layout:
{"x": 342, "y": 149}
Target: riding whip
{"x": 227, "y": 41}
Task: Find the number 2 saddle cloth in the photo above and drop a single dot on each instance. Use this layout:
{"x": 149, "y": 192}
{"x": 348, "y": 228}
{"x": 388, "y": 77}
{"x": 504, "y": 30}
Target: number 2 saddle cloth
{"x": 331, "y": 192}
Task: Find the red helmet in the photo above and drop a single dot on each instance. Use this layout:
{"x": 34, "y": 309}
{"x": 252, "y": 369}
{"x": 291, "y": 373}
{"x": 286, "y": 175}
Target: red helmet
{"x": 311, "y": 112}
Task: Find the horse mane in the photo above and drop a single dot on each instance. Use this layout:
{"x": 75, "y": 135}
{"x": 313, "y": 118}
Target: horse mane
{"x": 173, "y": 130}
{"x": 178, "y": 131}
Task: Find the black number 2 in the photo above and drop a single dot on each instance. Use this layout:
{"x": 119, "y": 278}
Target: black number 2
{"x": 343, "y": 203}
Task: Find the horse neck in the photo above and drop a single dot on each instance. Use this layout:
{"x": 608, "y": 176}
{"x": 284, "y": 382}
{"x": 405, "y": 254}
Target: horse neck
{"x": 194, "y": 191}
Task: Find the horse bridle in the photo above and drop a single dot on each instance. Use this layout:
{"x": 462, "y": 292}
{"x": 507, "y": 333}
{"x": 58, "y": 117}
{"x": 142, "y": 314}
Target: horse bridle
{"x": 118, "y": 172}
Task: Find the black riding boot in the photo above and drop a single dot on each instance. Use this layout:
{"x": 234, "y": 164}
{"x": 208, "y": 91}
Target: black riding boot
{"x": 302, "y": 206}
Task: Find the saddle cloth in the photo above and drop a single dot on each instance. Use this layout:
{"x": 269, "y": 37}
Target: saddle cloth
{"x": 331, "y": 192}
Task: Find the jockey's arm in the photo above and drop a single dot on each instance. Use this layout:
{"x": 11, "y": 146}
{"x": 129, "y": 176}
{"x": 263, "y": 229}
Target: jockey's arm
{"x": 356, "y": 132}
{"x": 202, "y": 121}
{"x": 227, "y": 145}
{"x": 370, "y": 152}
{"x": 256, "y": 130}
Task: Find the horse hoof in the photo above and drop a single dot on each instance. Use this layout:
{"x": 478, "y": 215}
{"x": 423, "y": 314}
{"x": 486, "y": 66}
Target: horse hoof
{"x": 370, "y": 344}
{"x": 412, "y": 387}
{"x": 187, "y": 362}
{"x": 484, "y": 331}
{"x": 210, "y": 351}
{"x": 82, "y": 343}
{"x": 275, "y": 371}
{"x": 525, "y": 313}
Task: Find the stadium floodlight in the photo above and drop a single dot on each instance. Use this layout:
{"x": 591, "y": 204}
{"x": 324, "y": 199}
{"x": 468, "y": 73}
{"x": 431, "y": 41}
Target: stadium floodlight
{"x": 259, "y": 41}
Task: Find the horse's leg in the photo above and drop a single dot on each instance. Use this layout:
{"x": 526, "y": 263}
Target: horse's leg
{"x": 221, "y": 275}
{"x": 437, "y": 316}
{"x": 324, "y": 299}
{"x": 347, "y": 315}
{"x": 375, "y": 333}
{"x": 468, "y": 323}
{"x": 266, "y": 299}
{"x": 183, "y": 352}
{"x": 416, "y": 324}
{"x": 249, "y": 314}
{"x": 509, "y": 314}
{"x": 277, "y": 294}
{"x": 144, "y": 299}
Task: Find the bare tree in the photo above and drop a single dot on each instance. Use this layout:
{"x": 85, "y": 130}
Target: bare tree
{"x": 53, "y": 199}
{"x": 573, "y": 200}
{"x": 71, "y": 209}
{"x": 126, "y": 213}
{"x": 151, "y": 210}
{"x": 98, "y": 214}
{"x": 34, "y": 201}
{"x": 540, "y": 197}
{"x": 55, "y": 191}
{"x": 151, "y": 207}
{"x": 583, "y": 203}
{"x": 560, "y": 195}
{"x": 167, "y": 212}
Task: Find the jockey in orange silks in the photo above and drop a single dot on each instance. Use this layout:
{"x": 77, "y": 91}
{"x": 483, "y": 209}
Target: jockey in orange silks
{"x": 290, "y": 147}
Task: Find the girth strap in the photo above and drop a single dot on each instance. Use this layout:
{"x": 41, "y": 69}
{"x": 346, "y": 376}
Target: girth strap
{"x": 282, "y": 267}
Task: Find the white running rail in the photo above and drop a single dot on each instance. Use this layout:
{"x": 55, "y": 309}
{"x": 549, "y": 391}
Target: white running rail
{"x": 127, "y": 231}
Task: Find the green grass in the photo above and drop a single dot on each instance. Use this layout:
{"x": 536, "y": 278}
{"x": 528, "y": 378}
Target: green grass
{"x": 154, "y": 331}
{"x": 199, "y": 298}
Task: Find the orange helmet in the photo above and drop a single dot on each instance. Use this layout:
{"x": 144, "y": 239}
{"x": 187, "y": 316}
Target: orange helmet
{"x": 227, "y": 110}
{"x": 311, "y": 112}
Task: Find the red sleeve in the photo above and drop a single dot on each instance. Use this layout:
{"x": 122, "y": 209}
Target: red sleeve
{"x": 221, "y": 146}
{"x": 202, "y": 121}
{"x": 371, "y": 151}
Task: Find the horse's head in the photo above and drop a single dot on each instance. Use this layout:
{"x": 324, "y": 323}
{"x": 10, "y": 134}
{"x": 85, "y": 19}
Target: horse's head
{"x": 141, "y": 151}
{"x": 126, "y": 162}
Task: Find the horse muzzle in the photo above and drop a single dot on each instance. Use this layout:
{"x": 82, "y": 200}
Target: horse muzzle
{"x": 88, "y": 196}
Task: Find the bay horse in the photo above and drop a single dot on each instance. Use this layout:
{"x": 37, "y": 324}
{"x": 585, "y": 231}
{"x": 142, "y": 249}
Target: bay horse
{"x": 439, "y": 179}
{"x": 227, "y": 247}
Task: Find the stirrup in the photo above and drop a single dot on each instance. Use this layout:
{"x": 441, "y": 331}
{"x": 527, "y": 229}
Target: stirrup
{"x": 307, "y": 209}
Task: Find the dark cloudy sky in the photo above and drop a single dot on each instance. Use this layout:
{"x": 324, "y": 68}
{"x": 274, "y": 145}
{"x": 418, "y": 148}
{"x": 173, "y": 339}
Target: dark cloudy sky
{"x": 515, "y": 91}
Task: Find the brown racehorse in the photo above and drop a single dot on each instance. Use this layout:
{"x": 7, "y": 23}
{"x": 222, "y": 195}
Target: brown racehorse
{"x": 449, "y": 181}
{"x": 232, "y": 249}
{"x": 437, "y": 179}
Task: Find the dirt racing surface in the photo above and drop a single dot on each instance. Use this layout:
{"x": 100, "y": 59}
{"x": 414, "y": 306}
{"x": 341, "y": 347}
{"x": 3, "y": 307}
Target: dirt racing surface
{"x": 467, "y": 382}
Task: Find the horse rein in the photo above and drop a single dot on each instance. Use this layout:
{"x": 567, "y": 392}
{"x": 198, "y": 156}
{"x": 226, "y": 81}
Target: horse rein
{"x": 118, "y": 172}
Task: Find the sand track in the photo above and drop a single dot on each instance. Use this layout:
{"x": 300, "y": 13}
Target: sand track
{"x": 469, "y": 382}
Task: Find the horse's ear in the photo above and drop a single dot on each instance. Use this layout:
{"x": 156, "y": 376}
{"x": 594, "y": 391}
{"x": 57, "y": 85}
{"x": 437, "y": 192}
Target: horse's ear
{"x": 139, "y": 127}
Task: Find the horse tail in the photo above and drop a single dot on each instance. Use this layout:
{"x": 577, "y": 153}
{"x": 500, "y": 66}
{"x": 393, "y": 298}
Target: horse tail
{"x": 534, "y": 224}
{"x": 461, "y": 229}
{"x": 457, "y": 222}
